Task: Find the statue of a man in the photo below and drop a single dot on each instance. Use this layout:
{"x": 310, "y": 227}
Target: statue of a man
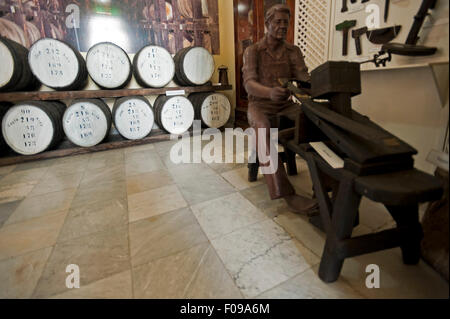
{"x": 265, "y": 62}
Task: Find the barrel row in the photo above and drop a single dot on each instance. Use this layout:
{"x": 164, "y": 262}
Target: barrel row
{"x": 58, "y": 65}
{"x": 33, "y": 127}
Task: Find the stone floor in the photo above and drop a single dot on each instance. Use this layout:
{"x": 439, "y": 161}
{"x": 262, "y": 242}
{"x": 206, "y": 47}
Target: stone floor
{"x": 139, "y": 226}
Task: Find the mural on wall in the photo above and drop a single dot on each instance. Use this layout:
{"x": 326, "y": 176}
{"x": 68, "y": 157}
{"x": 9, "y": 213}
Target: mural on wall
{"x": 131, "y": 24}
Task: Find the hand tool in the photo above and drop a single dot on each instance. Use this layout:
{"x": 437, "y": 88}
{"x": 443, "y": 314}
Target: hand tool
{"x": 356, "y": 34}
{"x": 345, "y": 27}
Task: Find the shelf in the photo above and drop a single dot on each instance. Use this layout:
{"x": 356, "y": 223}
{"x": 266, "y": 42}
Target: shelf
{"x": 89, "y": 94}
{"x": 66, "y": 148}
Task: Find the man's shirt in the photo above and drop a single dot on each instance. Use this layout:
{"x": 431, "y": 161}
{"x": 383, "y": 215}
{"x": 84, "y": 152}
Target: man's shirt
{"x": 266, "y": 67}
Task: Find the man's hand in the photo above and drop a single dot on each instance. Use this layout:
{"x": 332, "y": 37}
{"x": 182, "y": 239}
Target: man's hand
{"x": 279, "y": 94}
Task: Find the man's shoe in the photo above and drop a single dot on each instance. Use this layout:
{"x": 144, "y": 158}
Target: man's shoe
{"x": 302, "y": 205}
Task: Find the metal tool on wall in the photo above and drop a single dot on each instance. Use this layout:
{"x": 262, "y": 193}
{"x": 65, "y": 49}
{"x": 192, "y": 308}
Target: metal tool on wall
{"x": 386, "y": 10}
{"x": 344, "y": 6}
{"x": 410, "y": 48}
{"x": 383, "y": 35}
{"x": 356, "y": 34}
{"x": 345, "y": 27}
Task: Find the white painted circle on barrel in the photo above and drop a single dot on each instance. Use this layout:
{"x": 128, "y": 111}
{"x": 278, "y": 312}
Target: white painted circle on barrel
{"x": 134, "y": 119}
{"x": 7, "y": 61}
{"x": 85, "y": 124}
{"x": 27, "y": 129}
{"x": 216, "y": 110}
{"x": 177, "y": 115}
{"x": 108, "y": 65}
{"x": 198, "y": 65}
{"x": 156, "y": 66}
{"x": 53, "y": 62}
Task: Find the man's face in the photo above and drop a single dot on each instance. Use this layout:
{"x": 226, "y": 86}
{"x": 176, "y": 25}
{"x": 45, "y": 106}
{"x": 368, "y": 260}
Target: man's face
{"x": 278, "y": 26}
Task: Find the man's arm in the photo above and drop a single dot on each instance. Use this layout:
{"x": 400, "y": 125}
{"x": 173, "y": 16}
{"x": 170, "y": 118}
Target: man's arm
{"x": 251, "y": 84}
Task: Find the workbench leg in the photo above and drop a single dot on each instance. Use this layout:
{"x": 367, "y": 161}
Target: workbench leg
{"x": 345, "y": 210}
{"x": 290, "y": 162}
{"x": 408, "y": 216}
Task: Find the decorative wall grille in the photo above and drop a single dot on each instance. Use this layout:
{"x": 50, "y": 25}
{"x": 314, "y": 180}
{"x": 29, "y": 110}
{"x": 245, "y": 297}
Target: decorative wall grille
{"x": 312, "y": 30}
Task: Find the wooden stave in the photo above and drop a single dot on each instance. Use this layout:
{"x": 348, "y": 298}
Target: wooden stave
{"x": 49, "y": 108}
{"x": 80, "y": 80}
{"x": 127, "y": 81}
{"x": 22, "y": 79}
{"x": 137, "y": 74}
{"x": 103, "y": 107}
{"x": 197, "y": 100}
{"x": 4, "y": 107}
{"x": 122, "y": 100}
{"x": 180, "y": 77}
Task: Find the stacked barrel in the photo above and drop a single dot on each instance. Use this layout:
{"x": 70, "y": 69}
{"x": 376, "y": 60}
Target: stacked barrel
{"x": 32, "y": 127}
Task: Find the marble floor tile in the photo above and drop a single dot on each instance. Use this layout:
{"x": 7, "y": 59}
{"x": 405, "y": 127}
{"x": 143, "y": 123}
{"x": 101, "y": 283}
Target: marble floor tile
{"x": 199, "y": 189}
{"x": 164, "y": 147}
{"x": 93, "y": 218}
{"x": 221, "y": 168}
{"x": 372, "y": 214}
{"x": 224, "y": 215}
{"x": 164, "y": 235}
{"x": 139, "y": 148}
{"x": 212, "y": 281}
{"x": 6, "y": 210}
{"x": 396, "y": 279}
{"x": 33, "y": 165}
{"x": 154, "y": 202}
{"x": 184, "y": 173}
{"x": 14, "y": 192}
{"x": 201, "y": 276}
{"x": 300, "y": 228}
{"x": 98, "y": 256}
{"x": 107, "y": 191}
{"x": 260, "y": 257}
{"x": 308, "y": 285}
{"x": 19, "y": 275}
{"x": 7, "y": 169}
{"x": 117, "y": 286}
{"x": 239, "y": 179}
{"x": 30, "y": 235}
{"x": 69, "y": 165}
{"x": 147, "y": 181}
{"x": 142, "y": 162}
{"x": 41, "y": 205}
{"x": 56, "y": 183}
{"x": 98, "y": 177}
{"x": 106, "y": 159}
{"x": 31, "y": 175}
{"x": 260, "y": 197}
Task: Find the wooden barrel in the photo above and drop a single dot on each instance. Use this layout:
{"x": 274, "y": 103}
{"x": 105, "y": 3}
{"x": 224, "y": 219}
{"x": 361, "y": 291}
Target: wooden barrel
{"x": 109, "y": 66}
{"x": 33, "y": 127}
{"x": 4, "y": 107}
{"x": 174, "y": 114}
{"x": 193, "y": 66}
{"x": 15, "y": 73}
{"x": 87, "y": 122}
{"x": 57, "y": 65}
{"x": 153, "y": 66}
{"x": 133, "y": 117}
{"x": 213, "y": 109}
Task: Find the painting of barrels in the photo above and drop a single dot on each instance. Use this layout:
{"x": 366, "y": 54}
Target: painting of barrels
{"x": 130, "y": 24}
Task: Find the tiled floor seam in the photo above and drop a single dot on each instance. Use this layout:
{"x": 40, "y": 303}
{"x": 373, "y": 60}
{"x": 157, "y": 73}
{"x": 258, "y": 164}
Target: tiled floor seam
{"x": 194, "y": 274}
{"x": 31, "y": 219}
{"x": 281, "y": 283}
